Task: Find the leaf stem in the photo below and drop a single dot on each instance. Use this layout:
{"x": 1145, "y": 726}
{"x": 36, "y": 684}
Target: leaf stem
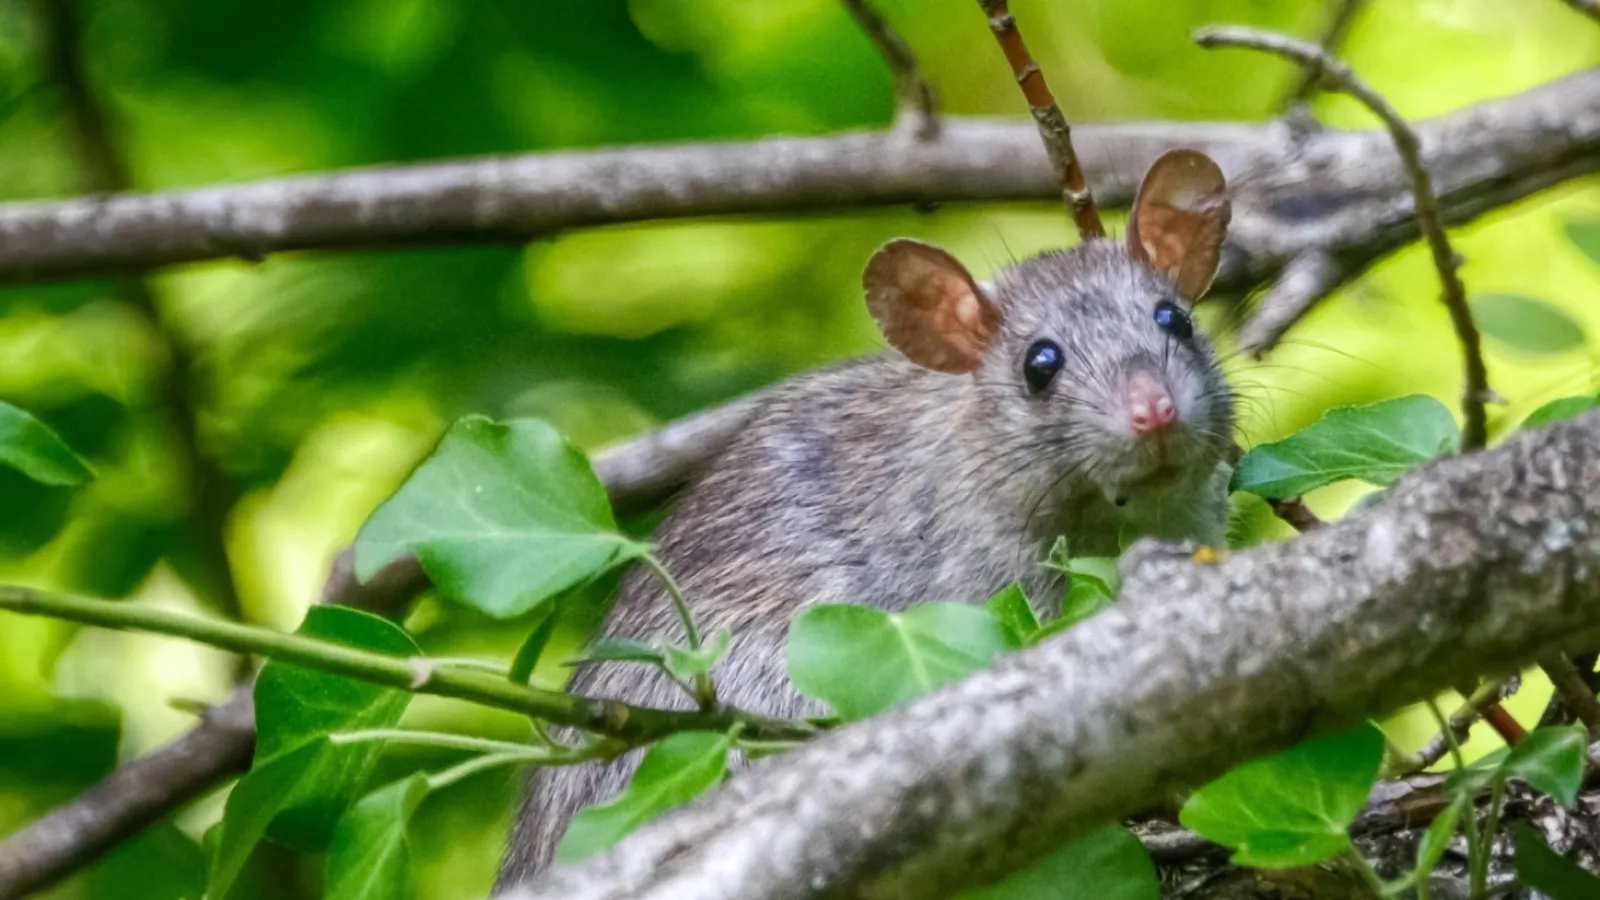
{"x": 471, "y": 767}
{"x": 1469, "y": 820}
{"x": 475, "y": 665}
{"x": 1491, "y": 823}
{"x": 631, "y": 724}
{"x": 704, "y": 691}
{"x": 1365, "y": 869}
{"x": 437, "y": 739}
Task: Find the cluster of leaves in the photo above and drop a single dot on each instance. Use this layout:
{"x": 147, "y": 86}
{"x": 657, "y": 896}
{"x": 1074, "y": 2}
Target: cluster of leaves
{"x": 508, "y": 518}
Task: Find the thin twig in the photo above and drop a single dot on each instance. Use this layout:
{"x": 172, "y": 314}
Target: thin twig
{"x": 1590, "y": 8}
{"x": 1575, "y": 693}
{"x": 1339, "y": 76}
{"x": 1295, "y": 512}
{"x": 1053, "y": 127}
{"x": 1341, "y": 16}
{"x": 612, "y": 718}
{"x": 1458, "y": 725}
{"x": 915, "y": 96}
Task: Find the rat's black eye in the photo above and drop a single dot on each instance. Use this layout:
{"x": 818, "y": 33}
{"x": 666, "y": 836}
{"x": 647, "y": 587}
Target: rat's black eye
{"x": 1041, "y": 364}
{"x": 1174, "y": 321}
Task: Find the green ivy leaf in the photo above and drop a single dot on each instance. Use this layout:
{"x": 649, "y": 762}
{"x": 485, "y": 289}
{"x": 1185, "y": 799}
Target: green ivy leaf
{"x": 1015, "y": 612}
{"x": 1376, "y": 443}
{"x": 369, "y": 857}
{"x": 1559, "y": 410}
{"x": 1106, "y": 864}
{"x": 1586, "y": 235}
{"x": 503, "y": 516}
{"x": 1526, "y": 324}
{"x": 1291, "y": 809}
{"x": 30, "y": 447}
{"x": 1547, "y": 871}
{"x": 675, "y": 771}
{"x": 686, "y": 664}
{"x": 1437, "y": 838}
{"x": 300, "y": 782}
{"x": 1551, "y": 759}
{"x": 862, "y": 661}
{"x": 532, "y": 649}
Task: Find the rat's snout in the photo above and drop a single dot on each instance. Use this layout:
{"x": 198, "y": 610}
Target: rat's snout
{"x": 1150, "y": 405}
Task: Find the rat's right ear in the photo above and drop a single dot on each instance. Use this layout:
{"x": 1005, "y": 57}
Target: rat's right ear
{"x": 929, "y": 308}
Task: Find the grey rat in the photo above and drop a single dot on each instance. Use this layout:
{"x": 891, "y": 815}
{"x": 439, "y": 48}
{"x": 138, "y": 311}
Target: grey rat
{"x": 1072, "y": 396}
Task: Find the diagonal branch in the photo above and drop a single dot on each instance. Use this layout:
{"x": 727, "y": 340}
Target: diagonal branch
{"x": 1275, "y": 643}
{"x": 1053, "y": 127}
{"x": 915, "y": 96}
{"x": 1339, "y": 76}
{"x": 1590, "y": 8}
{"x": 1340, "y": 18}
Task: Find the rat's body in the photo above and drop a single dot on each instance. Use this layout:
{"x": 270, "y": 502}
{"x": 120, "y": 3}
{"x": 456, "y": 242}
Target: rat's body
{"x": 890, "y": 482}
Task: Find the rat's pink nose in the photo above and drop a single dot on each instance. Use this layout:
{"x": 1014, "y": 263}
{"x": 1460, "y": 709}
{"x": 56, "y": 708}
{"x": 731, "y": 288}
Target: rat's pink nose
{"x": 1150, "y": 406}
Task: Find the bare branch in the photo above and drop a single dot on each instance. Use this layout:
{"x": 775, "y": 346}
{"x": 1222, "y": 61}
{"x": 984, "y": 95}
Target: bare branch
{"x": 1275, "y": 643}
{"x": 1305, "y": 281}
{"x": 1327, "y": 192}
{"x": 1053, "y": 127}
{"x": 915, "y": 95}
{"x": 1340, "y": 18}
{"x": 1574, "y": 692}
{"x": 1338, "y": 76}
{"x": 104, "y": 170}
{"x": 1590, "y": 8}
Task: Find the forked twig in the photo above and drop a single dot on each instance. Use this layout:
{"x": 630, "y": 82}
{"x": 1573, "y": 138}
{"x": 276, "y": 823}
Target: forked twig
{"x": 1053, "y": 127}
{"x": 1332, "y": 35}
{"x": 1338, "y": 76}
{"x": 915, "y": 96}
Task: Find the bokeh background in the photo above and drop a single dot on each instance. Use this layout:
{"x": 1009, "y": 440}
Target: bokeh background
{"x": 321, "y": 379}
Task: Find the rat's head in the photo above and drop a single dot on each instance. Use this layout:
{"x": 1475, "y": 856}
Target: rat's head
{"x": 1088, "y": 356}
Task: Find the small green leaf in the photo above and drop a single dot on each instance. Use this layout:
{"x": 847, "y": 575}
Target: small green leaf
{"x": 503, "y": 516}
{"x": 1012, "y": 606}
{"x": 1551, "y": 759}
{"x": 675, "y": 771}
{"x": 532, "y": 649}
{"x": 1526, "y": 324}
{"x": 862, "y": 661}
{"x": 1547, "y": 871}
{"x": 1586, "y": 235}
{"x": 1376, "y": 443}
{"x": 1559, "y": 410}
{"x": 1291, "y": 809}
{"x": 300, "y": 782}
{"x": 369, "y": 857}
{"x": 1106, "y": 864}
{"x": 615, "y": 649}
{"x": 1437, "y": 838}
{"x": 31, "y": 448}
{"x": 685, "y": 664}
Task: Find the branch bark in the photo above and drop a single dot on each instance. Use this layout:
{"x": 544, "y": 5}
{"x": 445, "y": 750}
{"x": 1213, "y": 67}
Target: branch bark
{"x": 1475, "y": 565}
{"x": 1331, "y": 194}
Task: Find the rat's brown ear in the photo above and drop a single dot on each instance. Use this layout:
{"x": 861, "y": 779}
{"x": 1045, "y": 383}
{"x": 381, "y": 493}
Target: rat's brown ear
{"x": 1179, "y": 219}
{"x": 929, "y": 308}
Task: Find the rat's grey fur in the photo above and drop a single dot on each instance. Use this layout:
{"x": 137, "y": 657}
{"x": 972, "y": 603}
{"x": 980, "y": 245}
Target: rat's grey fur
{"x": 885, "y": 484}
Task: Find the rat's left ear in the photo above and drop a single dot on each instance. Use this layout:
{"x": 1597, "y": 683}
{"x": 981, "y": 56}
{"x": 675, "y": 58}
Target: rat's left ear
{"x": 1179, "y": 219}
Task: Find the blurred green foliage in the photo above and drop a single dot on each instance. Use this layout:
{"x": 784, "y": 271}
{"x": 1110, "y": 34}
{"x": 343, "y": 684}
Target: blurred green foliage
{"x": 323, "y": 379}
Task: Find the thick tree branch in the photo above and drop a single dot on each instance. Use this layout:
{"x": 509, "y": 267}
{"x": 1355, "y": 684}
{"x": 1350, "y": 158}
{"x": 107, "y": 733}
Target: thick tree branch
{"x": 1329, "y": 193}
{"x": 915, "y": 96}
{"x": 1475, "y": 565}
{"x": 1339, "y": 76}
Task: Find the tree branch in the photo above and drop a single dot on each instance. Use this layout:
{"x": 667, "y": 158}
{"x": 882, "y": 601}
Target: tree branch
{"x": 1475, "y": 564}
{"x": 915, "y": 96}
{"x": 1339, "y": 76}
{"x": 1053, "y": 127}
{"x": 1327, "y": 193}
{"x": 1340, "y": 18}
